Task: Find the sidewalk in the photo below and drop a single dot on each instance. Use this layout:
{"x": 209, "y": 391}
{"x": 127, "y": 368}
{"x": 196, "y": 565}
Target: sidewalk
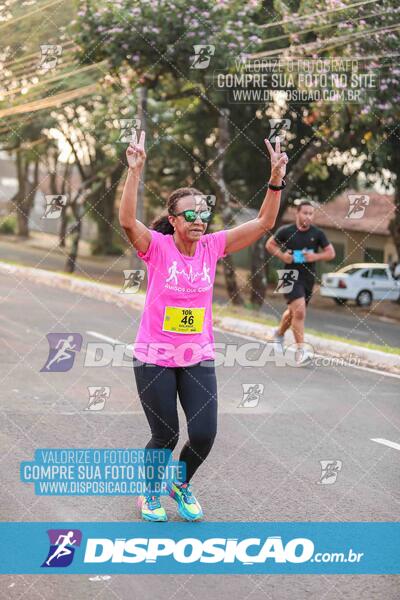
{"x": 366, "y": 358}
{"x": 42, "y": 250}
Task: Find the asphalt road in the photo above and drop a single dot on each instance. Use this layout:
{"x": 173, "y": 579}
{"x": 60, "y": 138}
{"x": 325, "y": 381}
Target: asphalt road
{"x": 264, "y": 466}
{"x": 347, "y": 321}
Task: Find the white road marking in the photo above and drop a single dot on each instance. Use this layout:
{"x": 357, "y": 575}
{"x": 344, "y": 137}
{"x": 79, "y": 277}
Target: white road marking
{"x": 121, "y": 413}
{"x": 106, "y": 338}
{"x": 386, "y": 443}
{"x": 103, "y": 412}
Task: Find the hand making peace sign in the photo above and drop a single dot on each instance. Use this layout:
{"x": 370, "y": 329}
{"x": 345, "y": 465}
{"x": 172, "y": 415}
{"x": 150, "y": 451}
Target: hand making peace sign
{"x": 135, "y": 153}
{"x": 278, "y": 161}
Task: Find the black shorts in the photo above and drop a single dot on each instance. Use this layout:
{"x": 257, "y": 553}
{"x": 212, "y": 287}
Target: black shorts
{"x": 301, "y": 289}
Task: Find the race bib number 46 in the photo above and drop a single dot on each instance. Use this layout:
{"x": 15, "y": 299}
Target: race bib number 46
{"x": 183, "y": 320}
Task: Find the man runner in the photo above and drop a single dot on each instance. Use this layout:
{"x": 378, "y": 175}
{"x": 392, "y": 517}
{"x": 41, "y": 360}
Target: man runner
{"x": 298, "y": 247}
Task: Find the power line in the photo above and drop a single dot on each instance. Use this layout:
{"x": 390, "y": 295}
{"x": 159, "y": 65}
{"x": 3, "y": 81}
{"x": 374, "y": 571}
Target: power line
{"x": 6, "y": 82}
{"x": 314, "y": 45}
{"x": 320, "y": 27}
{"x": 317, "y": 14}
{"x": 382, "y": 30}
{"x": 25, "y": 69}
{"x": 34, "y": 55}
{"x": 51, "y": 79}
{"x": 354, "y": 37}
{"x": 49, "y": 102}
{"x": 16, "y": 19}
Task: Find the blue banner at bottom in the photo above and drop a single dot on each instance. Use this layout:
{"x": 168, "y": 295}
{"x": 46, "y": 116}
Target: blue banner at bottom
{"x": 209, "y": 548}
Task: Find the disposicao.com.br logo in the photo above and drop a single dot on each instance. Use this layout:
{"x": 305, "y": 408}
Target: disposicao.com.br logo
{"x": 226, "y": 548}
{"x": 190, "y": 550}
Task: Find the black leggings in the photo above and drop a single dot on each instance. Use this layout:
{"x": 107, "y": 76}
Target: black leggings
{"x": 196, "y": 386}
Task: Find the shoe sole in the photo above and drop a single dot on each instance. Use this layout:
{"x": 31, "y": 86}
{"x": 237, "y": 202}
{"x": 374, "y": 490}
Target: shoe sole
{"x": 305, "y": 363}
{"x": 154, "y": 520}
{"x": 186, "y": 515}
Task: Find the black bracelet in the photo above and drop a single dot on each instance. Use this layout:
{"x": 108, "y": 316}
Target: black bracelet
{"x": 277, "y": 188}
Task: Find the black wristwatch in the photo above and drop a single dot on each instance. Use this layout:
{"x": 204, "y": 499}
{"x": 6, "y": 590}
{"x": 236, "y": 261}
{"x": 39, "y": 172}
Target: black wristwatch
{"x": 277, "y": 188}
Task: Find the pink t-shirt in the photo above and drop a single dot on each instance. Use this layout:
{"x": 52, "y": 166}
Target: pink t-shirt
{"x": 176, "y": 325}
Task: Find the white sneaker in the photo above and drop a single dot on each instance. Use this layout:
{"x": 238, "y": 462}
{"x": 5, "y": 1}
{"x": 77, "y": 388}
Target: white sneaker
{"x": 303, "y": 357}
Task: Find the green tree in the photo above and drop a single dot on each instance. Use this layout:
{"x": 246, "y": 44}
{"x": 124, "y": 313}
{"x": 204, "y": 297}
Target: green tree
{"x": 363, "y": 136}
{"x": 152, "y": 44}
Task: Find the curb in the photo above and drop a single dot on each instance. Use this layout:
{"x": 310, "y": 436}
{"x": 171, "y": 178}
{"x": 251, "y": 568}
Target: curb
{"x": 108, "y": 293}
{"x": 91, "y": 289}
{"x": 375, "y": 359}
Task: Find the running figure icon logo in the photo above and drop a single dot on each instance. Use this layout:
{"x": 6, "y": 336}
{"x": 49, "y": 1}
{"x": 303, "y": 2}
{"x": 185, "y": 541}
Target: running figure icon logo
{"x": 133, "y": 279}
{"x": 279, "y": 127}
{"x": 202, "y": 56}
{"x": 188, "y": 275}
{"x": 252, "y": 393}
{"x": 98, "y": 396}
{"x": 63, "y": 543}
{"x": 54, "y": 206}
{"x": 357, "y": 206}
{"x": 287, "y": 279}
{"x": 329, "y": 471}
{"x": 62, "y": 351}
{"x": 50, "y": 53}
{"x": 210, "y": 200}
{"x": 126, "y": 126}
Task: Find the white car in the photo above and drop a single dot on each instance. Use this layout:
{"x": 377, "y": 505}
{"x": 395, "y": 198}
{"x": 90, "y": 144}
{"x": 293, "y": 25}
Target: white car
{"x": 362, "y": 282}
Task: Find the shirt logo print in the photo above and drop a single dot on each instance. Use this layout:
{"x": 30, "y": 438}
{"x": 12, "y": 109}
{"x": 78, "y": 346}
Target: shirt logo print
{"x": 188, "y": 275}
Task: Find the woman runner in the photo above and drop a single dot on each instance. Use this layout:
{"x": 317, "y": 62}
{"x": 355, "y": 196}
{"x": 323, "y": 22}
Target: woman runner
{"x": 174, "y": 347}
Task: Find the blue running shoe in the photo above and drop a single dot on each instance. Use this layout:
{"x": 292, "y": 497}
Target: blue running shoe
{"x": 188, "y": 507}
{"x": 151, "y": 509}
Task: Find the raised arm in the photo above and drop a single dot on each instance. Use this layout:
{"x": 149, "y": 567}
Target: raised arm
{"x": 244, "y": 235}
{"x": 136, "y": 231}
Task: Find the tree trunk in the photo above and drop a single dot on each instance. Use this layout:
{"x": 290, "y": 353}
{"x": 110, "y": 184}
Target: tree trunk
{"x": 63, "y": 226}
{"x": 394, "y": 225}
{"x": 258, "y": 281}
{"x": 22, "y": 219}
{"x": 64, "y": 211}
{"x": 296, "y": 173}
{"x": 226, "y": 211}
{"x": 75, "y": 232}
{"x": 101, "y": 205}
{"x": 104, "y": 210}
{"x": 23, "y": 199}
